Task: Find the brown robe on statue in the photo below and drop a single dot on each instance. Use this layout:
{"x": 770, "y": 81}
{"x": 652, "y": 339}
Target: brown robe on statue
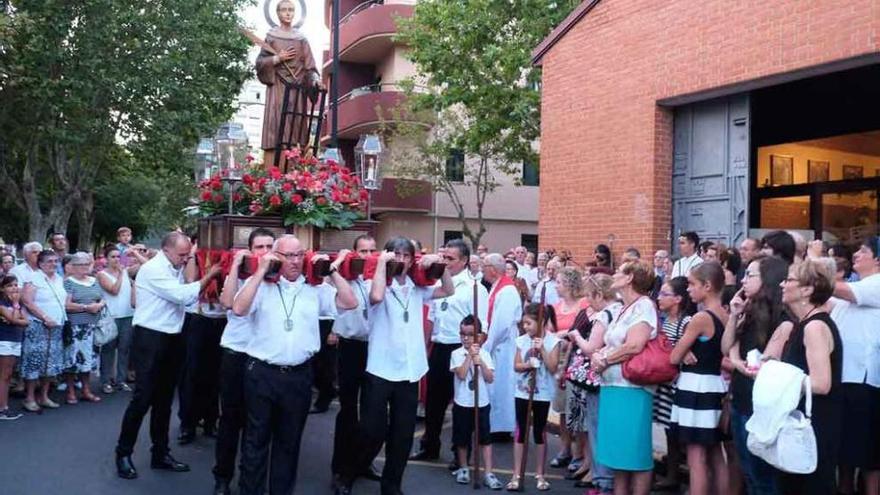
{"x": 271, "y": 74}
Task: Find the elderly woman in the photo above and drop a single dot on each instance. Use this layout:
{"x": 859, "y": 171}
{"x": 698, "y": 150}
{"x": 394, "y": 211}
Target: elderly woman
{"x": 84, "y": 304}
{"x": 624, "y": 407}
{"x": 41, "y": 352}
{"x": 117, "y": 289}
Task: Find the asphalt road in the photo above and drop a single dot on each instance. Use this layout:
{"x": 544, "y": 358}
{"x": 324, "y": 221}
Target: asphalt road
{"x": 69, "y": 451}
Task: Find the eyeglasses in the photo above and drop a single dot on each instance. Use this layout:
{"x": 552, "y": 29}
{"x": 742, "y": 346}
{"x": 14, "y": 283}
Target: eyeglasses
{"x": 448, "y": 257}
{"x": 792, "y": 279}
{"x": 298, "y": 254}
{"x": 665, "y": 294}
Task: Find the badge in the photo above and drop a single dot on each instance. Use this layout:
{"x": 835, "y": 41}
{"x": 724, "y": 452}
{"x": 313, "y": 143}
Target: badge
{"x": 444, "y": 306}
{"x": 288, "y": 325}
{"x": 406, "y": 316}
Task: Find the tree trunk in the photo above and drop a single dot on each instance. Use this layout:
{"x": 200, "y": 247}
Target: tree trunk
{"x": 85, "y": 217}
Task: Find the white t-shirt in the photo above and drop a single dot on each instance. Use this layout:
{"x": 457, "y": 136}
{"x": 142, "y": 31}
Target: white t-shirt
{"x": 545, "y": 383}
{"x": 464, "y": 392}
{"x": 641, "y": 311}
{"x": 683, "y": 266}
{"x": 859, "y": 328}
{"x": 238, "y": 332}
{"x": 120, "y": 304}
{"x": 867, "y": 291}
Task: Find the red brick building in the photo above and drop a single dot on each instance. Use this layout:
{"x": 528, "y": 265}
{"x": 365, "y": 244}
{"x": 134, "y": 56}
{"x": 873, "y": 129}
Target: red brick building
{"x": 715, "y": 116}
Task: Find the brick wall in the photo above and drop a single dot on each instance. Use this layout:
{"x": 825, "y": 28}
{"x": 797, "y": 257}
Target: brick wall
{"x": 606, "y": 146}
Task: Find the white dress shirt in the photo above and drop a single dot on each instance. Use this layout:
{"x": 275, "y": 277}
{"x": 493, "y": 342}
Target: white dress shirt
{"x": 162, "y": 296}
{"x": 867, "y": 291}
{"x": 683, "y": 266}
{"x": 238, "y": 332}
{"x": 551, "y": 297}
{"x": 396, "y": 349}
{"x": 23, "y": 273}
{"x": 285, "y": 320}
{"x": 858, "y": 328}
{"x": 355, "y": 324}
{"x": 449, "y": 311}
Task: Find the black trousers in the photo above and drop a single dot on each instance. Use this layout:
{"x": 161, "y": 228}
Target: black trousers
{"x": 440, "y": 391}
{"x": 324, "y": 365}
{"x": 232, "y": 413}
{"x": 352, "y": 372}
{"x": 200, "y": 377}
{"x": 277, "y": 401}
{"x": 388, "y": 415}
{"x": 158, "y": 359}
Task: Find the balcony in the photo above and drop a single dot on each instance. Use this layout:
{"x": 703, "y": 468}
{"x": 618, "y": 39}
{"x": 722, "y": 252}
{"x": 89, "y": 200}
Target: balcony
{"x": 366, "y": 34}
{"x": 403, "y": 195}
{"x": 359, "y": 110}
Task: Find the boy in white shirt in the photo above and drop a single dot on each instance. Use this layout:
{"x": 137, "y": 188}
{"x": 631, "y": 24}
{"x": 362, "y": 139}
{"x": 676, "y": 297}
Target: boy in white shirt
{"x": 461, "y": 363}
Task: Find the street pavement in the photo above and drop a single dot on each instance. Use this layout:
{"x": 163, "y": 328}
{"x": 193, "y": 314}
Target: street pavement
{"x": 69, "y": 451}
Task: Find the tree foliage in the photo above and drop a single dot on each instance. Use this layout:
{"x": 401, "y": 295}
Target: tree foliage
{"x": 475, "y": 57}
{"x": 86, "y": 83}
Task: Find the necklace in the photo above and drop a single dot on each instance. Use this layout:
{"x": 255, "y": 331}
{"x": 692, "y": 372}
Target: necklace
{"x": 288, "y": 314}
{"x": 404, "y": 306}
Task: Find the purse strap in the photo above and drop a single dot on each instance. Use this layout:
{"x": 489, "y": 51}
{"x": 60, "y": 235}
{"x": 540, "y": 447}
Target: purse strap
{"x": 808, "y": 393}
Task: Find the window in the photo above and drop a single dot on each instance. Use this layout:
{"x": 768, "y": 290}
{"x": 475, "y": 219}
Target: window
{"x": 530, "y": 174}
{"x": 455, "y": 166}
{"x": 450, "y": 235}
{"x": 530, "y": 242}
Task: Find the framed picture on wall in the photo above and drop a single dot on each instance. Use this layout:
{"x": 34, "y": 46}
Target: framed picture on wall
{"x": 853, "y": 172}
{"x": 818, "y": 171}
{"x": 781, "y": 170}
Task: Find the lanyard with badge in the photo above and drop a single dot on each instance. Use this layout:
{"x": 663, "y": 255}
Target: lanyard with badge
{"x": 445, "y": 304}
{"x": 360, "y": 287}
{"x": 288, "y": 314}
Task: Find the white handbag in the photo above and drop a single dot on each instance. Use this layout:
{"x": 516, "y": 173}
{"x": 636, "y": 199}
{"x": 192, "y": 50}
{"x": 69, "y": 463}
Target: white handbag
{"x": 794, "y": 448}
{"x": 106, "y": 330}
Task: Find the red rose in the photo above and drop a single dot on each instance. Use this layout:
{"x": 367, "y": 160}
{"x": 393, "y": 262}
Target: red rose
{"x": 261, "y": 183}
{"x": 275, "y": 173}
{"x": 206, "y": 195}
{"x": 336, "y": 196}
{"x": 323, "y": 176}
{"x": 275, "y": 200}
{"x": 321, "y": 200}
{"x": 287, "y": 187}
{"x": 247, "y": 179}
{"x": 216, "y": 184}
{"x": 364, "y": 194}
{"x": 296, "y": 199}
{"x": 218, "y": 198}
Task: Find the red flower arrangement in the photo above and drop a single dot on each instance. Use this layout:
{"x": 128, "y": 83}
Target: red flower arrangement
{"x": 312, "y": 192}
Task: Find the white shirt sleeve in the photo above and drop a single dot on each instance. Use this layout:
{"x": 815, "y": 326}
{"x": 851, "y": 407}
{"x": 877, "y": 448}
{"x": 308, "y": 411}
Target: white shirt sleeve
{"x": 166, "y": 286}
{"x": 867, "y": 291}
{"x": 487, "y": 359}
{"x": 455, "y": 359}
{"x": 505, "y": 314}
{"x": 327, "y": 301}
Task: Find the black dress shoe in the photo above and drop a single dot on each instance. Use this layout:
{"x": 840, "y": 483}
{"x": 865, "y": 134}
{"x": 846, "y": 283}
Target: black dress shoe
{"x": 221, "y": 487}
{"x": 371, "y": 473}
{"x": 424, "y": 455}
{"x": 186, "y": 436}
{"x": 168, "y": 463}
{"x": 124, "y": 467}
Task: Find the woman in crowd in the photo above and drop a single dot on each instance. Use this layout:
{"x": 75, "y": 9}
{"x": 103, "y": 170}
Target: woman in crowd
{"x": 84, "y": 304}
{"x": 7, "y": 263}
{"x": 756, "y": 314}
{"x": 675, "y": 303}
{"x": 625, "y": 408}
{"x": 569, "y": 286}
{"x": 117, "y": 291}
{"x": 41, "y": 353}
{"x": 602, "y": 256}
{"x": 13, "y": 321}
{"x": 731, "y": 261}
{"x": 583, "y": 383}
{"x": 700, "y": 389}
{"x": 511, "y": 270}
{"x": 814, "y": 346}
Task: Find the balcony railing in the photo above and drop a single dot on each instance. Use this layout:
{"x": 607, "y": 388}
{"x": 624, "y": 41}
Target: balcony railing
{"x": 378, "y": 88}
{"x": 360, "y": 8}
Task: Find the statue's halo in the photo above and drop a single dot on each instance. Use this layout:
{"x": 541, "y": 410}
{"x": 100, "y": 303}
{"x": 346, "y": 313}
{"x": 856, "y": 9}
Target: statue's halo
{"x": 269, "y": 7}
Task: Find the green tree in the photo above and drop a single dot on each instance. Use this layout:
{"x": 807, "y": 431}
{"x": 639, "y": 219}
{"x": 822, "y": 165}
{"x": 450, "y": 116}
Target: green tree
{"x": 475, "y": 58}
{"x": 86, "y": 83}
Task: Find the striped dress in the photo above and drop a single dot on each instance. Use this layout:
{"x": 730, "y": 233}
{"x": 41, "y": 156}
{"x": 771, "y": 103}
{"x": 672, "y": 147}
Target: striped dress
{"x": 700, "y": 390}
{"x": 663, "y": 398}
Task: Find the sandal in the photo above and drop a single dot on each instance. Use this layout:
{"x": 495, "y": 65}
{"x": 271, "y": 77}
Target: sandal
{"x": 31, "y": 406}
{"x": 71, "y": 400}
{"x": 543, "y": 485}
{"x": 513, "y": 484}
{"x": 51, "y": 404}
{"x": 91, "y": 398}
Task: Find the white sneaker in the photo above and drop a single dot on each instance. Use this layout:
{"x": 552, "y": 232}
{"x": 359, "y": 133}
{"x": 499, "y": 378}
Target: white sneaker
{"x": 492, "y": 482}
{"x": 463, "y": 476}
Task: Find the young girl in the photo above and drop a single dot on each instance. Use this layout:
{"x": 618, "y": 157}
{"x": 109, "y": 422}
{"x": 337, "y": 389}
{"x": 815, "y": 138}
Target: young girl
{"x": 541, "y": 355}
{"x": 697, "y": 408}
{"x": 13, "y": 321}
{"x": 675, "y": 303}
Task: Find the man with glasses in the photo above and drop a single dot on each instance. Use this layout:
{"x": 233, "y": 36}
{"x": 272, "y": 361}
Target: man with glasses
{"x": 278, "y": 374}
{"x": 352, "y": 329}
{"x": 448, "y": 313}
{"x": 24, "y": 271}
{"x": 158, "y": 351}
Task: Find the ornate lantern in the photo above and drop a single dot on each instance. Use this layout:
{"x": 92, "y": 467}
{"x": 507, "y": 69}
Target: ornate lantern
{"x": 367, "y": 158}
{"x": 230, "y": 145}
{"x": 204, "y": 159}
{"x": 333, "y": 154}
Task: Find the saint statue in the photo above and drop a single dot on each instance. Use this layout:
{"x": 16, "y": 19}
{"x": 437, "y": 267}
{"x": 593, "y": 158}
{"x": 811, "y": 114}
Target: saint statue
{"x": 291, "y": 62}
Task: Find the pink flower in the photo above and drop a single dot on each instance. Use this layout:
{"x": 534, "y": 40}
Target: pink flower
{"x": 206, "y": 195}
{"x": 218, "y": 198}
{"x": 249, "y": 158}
{"x": 275, "y": 200}
{"x": 287, "y": 187}
{"x": 236, "y": 197}
{"x": 247, "y": 179}
{"x": 274, "y": 173}
{"x": 321, "y": 200}
{"x": 255, "y": 208}
{"x": 296, "y": 199}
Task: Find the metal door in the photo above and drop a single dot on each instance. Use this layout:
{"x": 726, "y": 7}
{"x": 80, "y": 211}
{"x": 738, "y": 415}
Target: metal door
{"x": 710, "y": 177}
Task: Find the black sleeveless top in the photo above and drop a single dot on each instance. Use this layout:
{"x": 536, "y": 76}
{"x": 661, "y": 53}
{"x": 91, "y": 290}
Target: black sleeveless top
{"x": 708, "y": 353}
{"x": 795, "y": 353}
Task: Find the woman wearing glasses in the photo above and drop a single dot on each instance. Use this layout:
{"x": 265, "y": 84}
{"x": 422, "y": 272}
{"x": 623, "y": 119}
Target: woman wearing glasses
{"x": 84, "y": 304}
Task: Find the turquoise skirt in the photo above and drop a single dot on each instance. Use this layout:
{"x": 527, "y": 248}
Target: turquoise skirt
{"x": 625, "y": 428}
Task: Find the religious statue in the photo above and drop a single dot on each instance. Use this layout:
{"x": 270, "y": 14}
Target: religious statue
{"x": 285, "y": 57}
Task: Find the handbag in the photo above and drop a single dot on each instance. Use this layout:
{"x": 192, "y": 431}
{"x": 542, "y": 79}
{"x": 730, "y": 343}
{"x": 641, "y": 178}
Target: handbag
{"x": 794, "y": 449}
{"x": 106, "y": 329}
{"x": 651, "y": 366}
